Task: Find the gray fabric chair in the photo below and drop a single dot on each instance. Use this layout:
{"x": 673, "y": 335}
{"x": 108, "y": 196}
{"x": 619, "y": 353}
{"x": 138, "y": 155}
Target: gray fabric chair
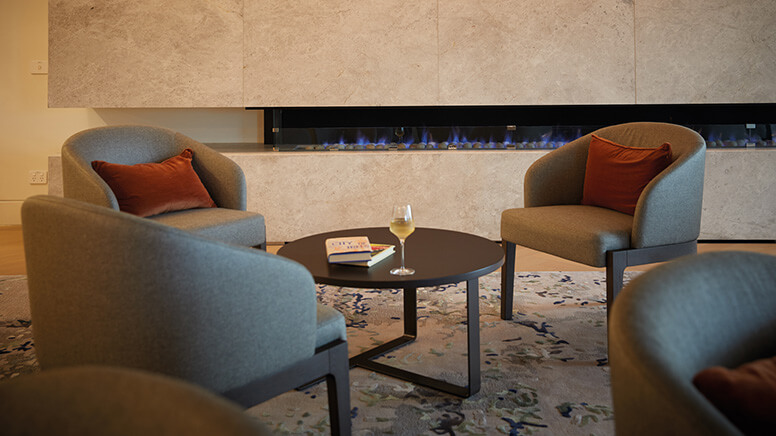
{"x": 111, "y": 288}
{"x": 677, "y": 319}
{"x": 96, "y": 401}
{"x": 666, "y": 223}
{"x": 129, "y": 145}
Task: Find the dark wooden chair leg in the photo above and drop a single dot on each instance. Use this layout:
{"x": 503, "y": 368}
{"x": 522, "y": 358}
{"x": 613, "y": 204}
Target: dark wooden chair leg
{"x": 507, "y": 280}
{"x": 616, "y": 262}
{"x": 329, "y": 363}
{"x": 338, "y": 388}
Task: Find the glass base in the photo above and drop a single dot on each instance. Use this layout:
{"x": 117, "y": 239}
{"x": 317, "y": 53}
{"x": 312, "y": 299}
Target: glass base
{"x": 402, "y": 271}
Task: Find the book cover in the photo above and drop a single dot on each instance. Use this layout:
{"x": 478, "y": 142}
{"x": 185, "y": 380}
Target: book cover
{"x": 379, "y": 252}
{"x": 348, "y": 249}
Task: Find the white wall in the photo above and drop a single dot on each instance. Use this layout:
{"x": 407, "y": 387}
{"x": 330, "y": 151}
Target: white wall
{"x": 31, "y": 131}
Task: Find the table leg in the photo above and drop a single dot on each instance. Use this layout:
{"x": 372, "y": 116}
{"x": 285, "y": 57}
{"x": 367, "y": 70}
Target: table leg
{"x": 473, "y": 332}
{"x": 410, "y": 333}
{"x": 411, "y": 312}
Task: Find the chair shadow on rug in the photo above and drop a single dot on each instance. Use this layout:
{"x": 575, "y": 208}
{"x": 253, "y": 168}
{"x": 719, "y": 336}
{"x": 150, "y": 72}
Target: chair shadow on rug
{"x": 110, "y": 288}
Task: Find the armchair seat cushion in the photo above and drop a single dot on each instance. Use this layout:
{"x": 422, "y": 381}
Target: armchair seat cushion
{"x": 330, "y": 326}
{"x": 580, "y": 233}
{"x": 232, "y": 226}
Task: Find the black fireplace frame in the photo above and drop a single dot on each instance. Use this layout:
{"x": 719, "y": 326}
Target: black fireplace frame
{"x": 590, "y": 116}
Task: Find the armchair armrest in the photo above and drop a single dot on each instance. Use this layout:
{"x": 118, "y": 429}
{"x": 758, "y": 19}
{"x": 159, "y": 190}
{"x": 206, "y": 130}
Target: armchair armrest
{"x": 81, "y": 182}
{"x": 669, "y": 209}
{"x": 223, "y": 178}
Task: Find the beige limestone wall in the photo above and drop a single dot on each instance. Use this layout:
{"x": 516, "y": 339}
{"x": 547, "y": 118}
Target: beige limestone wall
{"x": 310, "y": 192}
{"x": 129, "y": 53}
{"x": 301, "y": 193}
{"x": 459, "y": 52}
{"x": 307, "y": 192}
{"x": 531, "y": 52}
{"x": 267, "y": 53}
{"x": 341, "y": 52}
{"x": 739, "y": 195}
{"x": 31, "y": 131}
{"x": 711, "y": 51}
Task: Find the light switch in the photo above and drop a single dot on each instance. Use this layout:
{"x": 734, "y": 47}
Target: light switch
{"x": 39, "y": 67}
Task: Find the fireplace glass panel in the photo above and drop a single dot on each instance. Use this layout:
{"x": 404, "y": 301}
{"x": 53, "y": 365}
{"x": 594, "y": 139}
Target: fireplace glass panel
{"x": 501, "y": 128}
{"x": 491, "y": 137}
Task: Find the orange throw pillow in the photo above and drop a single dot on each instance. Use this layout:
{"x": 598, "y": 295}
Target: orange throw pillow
{"x": 746, "y": 395}
{"x": 152, "y": 188}
{"x": 616, "y": 174}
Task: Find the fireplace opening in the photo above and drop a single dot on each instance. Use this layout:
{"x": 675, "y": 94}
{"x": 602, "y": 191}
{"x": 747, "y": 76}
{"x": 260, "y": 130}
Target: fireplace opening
{"x": 502, "y": 127}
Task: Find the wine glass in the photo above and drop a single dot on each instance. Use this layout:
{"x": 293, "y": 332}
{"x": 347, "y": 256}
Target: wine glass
{"x": 402, "y": 225}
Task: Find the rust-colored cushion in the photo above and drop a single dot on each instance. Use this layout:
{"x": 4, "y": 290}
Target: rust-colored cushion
{"x": 152, "y": 188}
{"x": 746, "y": 395}
{"x": 616, "y": 174}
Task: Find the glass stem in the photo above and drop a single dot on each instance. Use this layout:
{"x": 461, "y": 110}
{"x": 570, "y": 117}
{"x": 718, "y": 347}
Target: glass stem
{"x": 402, "y": 253}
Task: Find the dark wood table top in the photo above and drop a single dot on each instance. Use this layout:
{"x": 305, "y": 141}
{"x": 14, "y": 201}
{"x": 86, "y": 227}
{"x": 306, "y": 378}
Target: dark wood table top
{"x": 438, "y": 257}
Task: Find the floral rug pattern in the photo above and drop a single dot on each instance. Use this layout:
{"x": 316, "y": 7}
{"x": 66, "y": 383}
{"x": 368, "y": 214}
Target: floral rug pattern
{"x": 545, "y": 372}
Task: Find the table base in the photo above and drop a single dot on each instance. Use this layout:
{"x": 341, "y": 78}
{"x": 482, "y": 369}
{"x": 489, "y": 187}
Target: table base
{"x": 363, "y": 359}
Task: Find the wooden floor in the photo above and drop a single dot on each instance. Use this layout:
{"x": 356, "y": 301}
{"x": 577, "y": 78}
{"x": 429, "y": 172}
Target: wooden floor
{"x": 12, "y": 255}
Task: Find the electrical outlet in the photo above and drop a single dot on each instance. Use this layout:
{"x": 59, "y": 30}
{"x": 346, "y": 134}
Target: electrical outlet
{"x": 38, "y": 177}
{"x": 39, "y": 67}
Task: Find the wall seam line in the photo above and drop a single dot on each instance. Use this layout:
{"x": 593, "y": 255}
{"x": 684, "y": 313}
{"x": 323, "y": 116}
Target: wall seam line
{"x": 635, "y": 59}
{"x": 439, "y": 59}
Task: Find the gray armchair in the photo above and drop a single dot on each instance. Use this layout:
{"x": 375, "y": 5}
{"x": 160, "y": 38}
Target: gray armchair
{"x": 665, "y": 225}
{"x": 669, "y": 323}
{"x": 97, "y": 401}
{"x": 111, "y": 288}
{"x": 129, "y": 145}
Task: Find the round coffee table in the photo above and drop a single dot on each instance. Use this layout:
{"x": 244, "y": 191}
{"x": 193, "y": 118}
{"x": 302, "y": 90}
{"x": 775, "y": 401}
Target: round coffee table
{"x": 439, "y": 257}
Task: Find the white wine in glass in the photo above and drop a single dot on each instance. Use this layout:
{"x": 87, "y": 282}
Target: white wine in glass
{"x": 402, "y": 225}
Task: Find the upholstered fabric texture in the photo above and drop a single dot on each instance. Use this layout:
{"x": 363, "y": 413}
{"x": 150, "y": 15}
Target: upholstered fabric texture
{"x": 92, "y": 401}
{"x": 129, "y": 145}
{"x": 579, "y": 233}
{"x": 616, "y": 174}
{"x": 226, "y": 225}
{"x": 675, "y": 195}
{"x": 330, "y": 326}
{"x": 667, "y": 212}
{"x": 108, "y": 287}
{"x": 679, "y": 318}
{"x": 147, "y": 189}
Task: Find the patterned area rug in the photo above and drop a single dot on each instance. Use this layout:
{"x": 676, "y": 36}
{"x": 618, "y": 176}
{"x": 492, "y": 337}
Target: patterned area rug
{"x": 17, "y": 353}
{"x": 544, "y": 372}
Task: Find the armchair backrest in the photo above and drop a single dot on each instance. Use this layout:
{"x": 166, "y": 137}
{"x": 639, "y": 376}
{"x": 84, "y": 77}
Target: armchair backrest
{"x": 675, "y": 196}
{"x": 680, "y": 318}
{"x": 129, "y": 145}
{"x": 110, "y": 288}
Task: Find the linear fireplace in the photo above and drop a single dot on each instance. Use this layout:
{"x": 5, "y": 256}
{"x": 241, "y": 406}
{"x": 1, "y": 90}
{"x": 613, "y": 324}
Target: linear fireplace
{"x": 502, "y": 127}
